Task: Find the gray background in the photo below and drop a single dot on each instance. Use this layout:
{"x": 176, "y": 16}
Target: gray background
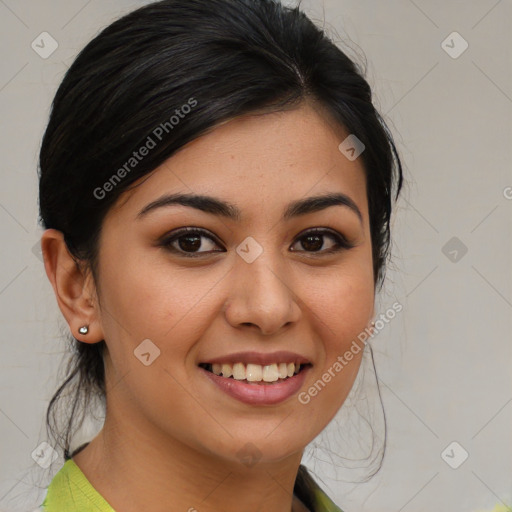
{"x": 444, "y": 362}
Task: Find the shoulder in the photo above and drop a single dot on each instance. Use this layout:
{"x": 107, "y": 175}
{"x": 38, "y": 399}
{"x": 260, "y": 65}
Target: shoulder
{"x": 311, "y": 494}
{"x": 324, "y": 503}
{"x": 70, "y": 490}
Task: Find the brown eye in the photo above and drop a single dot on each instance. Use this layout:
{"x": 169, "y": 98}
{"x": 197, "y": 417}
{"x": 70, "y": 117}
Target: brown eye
{"x": 189, "y": 241}
{"x": 194, "y": 242}
{"x": 314, "y": 241}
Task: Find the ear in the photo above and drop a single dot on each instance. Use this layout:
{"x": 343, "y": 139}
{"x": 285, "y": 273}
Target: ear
{"x": 75, "y": 292}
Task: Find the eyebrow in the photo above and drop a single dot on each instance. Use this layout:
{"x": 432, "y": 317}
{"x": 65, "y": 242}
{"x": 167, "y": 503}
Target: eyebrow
{"x": 221, "y": 208}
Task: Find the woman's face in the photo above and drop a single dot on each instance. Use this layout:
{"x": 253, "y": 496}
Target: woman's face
{"x": 239, "y": 288}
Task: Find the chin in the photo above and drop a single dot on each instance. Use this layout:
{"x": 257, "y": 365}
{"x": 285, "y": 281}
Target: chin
{"x": 249, "y": 453}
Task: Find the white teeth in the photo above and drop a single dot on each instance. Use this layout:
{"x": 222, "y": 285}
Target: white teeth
{"x": 270, "y": 373}
{"x": 239, "y": 371}
{"x": 255, "y": 372}
{"x": 227, "y": 370}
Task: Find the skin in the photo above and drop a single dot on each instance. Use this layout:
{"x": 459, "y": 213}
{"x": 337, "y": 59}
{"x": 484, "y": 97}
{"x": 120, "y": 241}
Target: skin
{"x": 170, "y": 436}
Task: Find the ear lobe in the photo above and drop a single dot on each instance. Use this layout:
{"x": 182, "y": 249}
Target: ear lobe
{"x": 74, "y": 290}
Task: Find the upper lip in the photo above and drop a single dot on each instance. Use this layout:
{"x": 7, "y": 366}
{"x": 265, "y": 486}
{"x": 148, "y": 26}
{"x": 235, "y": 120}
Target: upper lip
{"x": 259, "y": 358}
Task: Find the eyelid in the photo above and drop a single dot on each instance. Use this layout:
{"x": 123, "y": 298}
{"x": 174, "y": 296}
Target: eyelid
{"x": 324, "y": 230}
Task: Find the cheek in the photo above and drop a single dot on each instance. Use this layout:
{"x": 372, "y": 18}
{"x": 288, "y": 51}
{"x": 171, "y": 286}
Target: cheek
{"x": 146, "y": 298}
{"x": 148, "y": 301}
{"x": 340, "y": 309}
{"x": 342, "y": 306}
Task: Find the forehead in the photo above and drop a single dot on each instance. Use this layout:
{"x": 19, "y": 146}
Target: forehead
{"x": 260, "y": 159}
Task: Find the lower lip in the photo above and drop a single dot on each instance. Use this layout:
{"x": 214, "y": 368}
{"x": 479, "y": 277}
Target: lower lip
{"x": 259, "y": 393}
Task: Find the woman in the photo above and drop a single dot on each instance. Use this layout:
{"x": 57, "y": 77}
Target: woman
{"x": 216, "y": 190}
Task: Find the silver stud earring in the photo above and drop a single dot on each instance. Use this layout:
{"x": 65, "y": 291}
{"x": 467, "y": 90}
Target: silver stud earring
{"x": 84, "y": 329}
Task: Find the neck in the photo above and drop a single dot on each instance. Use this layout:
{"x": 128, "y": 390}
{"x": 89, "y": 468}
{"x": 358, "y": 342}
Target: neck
{"x": 134, "y": 471}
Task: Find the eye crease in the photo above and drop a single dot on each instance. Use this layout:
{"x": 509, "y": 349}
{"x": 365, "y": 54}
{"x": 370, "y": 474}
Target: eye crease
{"x": 307, "y": 237}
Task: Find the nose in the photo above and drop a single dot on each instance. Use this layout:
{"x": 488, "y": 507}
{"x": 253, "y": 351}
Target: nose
{"x": 261, "y": 296}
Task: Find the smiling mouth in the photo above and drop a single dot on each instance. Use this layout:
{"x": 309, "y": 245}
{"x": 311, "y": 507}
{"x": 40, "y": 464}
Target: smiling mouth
{"x": 255, "y": 373}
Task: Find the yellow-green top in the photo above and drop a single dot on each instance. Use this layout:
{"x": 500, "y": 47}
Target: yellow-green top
{"x": 70, "y": 491}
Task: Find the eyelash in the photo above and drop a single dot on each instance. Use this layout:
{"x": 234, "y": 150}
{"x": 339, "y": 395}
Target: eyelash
{"x": 341, "y": 242}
